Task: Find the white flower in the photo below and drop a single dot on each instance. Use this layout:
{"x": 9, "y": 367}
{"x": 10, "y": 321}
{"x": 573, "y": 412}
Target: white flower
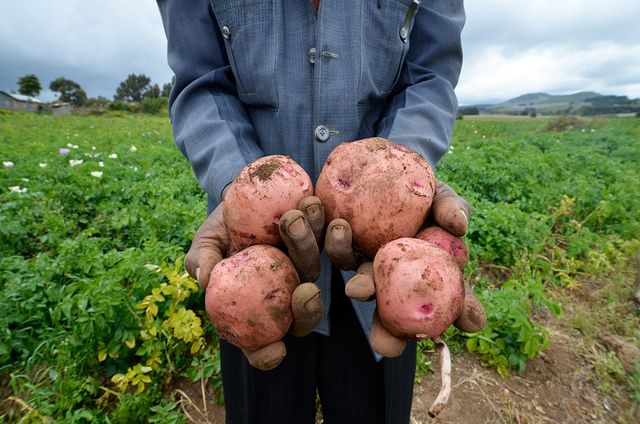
{"x": 42, "y": 165}
{"x": 135, "y": 168}
{"x": 74, "y": 162}
{"x": 97, "y": 174}
{"x": 133, "y": 148}
{"x": 100, "y": 164}
{"x": 26, "y": 180}
{"x": 93, "y": 147}
{"x": 113, "y": 156}
{"x": 8, "y": 164}
{"x": 17, "y": 189}
{"x": 73, "y": 146}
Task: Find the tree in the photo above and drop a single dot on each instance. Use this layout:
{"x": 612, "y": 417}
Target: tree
{"x": 166, "y": 89}
{"x": 133, "y": 88}
{"x": 70, "y": 91}
{"x": 29, "y": 85}
{"x": 153, "y": 92}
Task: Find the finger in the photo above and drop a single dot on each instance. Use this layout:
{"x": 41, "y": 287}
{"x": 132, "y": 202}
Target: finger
{"x": 314, "y": 211}
{"x": 339, "y": 245}
{"x": 362, "y": 286}
{"x": 384, "y": 342}
{"x": 268, "y": 357}
{"x": 472, "y": 318}
{"x": 449, "y": 210}
{"x": 210, "y": 244}
{"x": 307, "y": 307}
{"x": 301, "y": 243}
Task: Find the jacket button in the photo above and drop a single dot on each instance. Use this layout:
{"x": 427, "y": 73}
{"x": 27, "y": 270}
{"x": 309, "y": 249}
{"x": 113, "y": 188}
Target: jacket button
{"x": 312, "y": 55}
{"x": 322, "y": 133}
{"x": 404, "y": 34}
{"x": 226, "y": 33}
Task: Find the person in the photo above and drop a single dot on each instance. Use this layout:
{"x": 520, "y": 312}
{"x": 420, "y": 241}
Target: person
{"x": 297, "y": 78}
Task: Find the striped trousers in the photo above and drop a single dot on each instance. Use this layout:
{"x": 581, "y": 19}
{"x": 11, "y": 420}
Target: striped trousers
{"x": 353, "y": 387}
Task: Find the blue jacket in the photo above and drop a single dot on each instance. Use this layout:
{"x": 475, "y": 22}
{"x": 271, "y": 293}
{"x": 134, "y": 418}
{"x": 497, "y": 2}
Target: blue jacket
{"x": 263, "y": 77}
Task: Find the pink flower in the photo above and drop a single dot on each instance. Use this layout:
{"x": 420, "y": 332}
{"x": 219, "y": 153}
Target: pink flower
{"x": 64, "y": 152}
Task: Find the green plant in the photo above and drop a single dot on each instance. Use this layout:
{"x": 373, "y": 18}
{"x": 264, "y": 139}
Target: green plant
{"x": 511, "y": 337}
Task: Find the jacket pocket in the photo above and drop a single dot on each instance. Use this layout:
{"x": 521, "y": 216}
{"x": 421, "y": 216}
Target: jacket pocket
{"x": 248, "y": 28}
{"x": 385, "y": 30}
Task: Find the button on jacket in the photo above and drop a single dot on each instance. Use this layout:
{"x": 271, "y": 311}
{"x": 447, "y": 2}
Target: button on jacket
{"x": 263, "y": 77}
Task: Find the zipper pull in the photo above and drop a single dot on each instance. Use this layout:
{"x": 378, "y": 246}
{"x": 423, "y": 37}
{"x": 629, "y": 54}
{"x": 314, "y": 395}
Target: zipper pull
{"x": 404, "y": 31}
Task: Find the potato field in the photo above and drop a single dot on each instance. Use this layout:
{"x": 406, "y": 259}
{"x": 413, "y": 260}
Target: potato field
{"x": 99, "y": 323}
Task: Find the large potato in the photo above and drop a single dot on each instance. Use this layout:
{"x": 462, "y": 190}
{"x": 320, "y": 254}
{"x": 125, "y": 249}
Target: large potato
{"x": 419, "y": 288}
{"x": 258, "y": 197}
{"x": 248, "y": 299}
{"x": 384, "y": 190}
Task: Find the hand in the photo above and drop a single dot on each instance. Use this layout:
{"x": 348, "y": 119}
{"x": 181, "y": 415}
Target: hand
{"x": 448, "y": 211}
{"x": 300, "y": 230}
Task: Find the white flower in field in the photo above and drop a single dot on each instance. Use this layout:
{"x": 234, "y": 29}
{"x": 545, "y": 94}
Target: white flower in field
{"x": 97, "y": 174}
{"x": 101, "y": 164}
{"x": 93, "y": 147}
{"x": 26, "y": 180}
{"x": 8, "y": 164}
{"x": 74, "y": 162}
{"x": 135, "y": 168}
{"x": 133, "y": 148}
{"x": 113, "y": 156}
{"x": 42, "y": 165}
{"x": 17, "y": 189}
{"x": 73, "y": 146}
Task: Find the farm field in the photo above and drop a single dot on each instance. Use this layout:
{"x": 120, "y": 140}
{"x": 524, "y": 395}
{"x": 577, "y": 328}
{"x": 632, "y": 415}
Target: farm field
{"x": 99, "y": 323}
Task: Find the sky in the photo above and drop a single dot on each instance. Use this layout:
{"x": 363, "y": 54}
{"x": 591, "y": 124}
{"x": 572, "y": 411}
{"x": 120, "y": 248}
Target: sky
{"x": 510, "y": 47}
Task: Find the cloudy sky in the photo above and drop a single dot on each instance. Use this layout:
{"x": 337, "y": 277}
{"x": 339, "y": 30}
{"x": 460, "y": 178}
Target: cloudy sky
{"x": 511, "y": 47}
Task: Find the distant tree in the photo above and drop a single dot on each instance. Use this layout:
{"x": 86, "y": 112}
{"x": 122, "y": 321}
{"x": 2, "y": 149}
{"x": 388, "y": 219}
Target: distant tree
{"x": 70, "y": 91}
{"x": 166, "y": 89}
{"x": 133, "y": 88}
{"x": 29, "y": 85}
{"x": 470, "y": 110}
{"x": 153, "y": 92}
{"x": 100, "y": 102}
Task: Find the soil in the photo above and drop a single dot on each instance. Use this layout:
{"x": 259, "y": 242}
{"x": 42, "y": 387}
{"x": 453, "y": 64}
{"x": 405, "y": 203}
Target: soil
{"x": 557, "y": 387}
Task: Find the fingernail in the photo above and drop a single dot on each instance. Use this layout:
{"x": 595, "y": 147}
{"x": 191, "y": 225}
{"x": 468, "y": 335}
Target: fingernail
{"x": 312, "y": 210}
{"x": 338, "y": 231}
{"x": 198, "y": 274}
{"x": 297, "y": 227}
{"x": 313, "y": 303}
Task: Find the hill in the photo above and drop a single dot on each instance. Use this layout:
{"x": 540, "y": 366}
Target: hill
{"x": 586, "y": 103}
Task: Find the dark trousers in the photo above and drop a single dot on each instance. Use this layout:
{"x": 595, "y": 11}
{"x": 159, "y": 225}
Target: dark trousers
{"x": 352, "y": 386}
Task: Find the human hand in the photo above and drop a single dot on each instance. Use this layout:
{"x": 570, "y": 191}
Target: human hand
{"x": 449, "y": 211}
{"x": 299, "y": 229}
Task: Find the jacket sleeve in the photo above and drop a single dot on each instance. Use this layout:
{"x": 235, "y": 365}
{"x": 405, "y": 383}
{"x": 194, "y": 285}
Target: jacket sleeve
{"x": 422, "y": 112}
{"x": 210, "y": 125}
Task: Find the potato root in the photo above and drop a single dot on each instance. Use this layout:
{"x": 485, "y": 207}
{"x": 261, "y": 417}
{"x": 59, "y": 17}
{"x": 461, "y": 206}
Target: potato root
{"x": 258, "y": 197}
{"x": 382, "y": 189}
{"x": 248, "y": 299}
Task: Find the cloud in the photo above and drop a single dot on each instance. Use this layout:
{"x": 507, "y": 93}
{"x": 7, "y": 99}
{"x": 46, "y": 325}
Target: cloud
{"x": 96, "y": 44}
{"x": 512, "y": 48}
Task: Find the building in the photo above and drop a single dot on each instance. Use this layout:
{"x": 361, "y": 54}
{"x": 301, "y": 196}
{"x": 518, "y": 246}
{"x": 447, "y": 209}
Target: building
{"x": 19, "y": 102}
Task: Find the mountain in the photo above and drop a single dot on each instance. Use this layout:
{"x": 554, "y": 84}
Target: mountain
{"x": 587, "y": 103}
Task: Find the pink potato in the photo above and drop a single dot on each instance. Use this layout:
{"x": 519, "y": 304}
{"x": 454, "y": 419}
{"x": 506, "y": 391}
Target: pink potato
{"x": 258, "y": 197}
{"x": 248, "y": 299}
{"x": 456, "y": 247}
{"x": 419, "y": 288}
{"x": 384, "y": 190}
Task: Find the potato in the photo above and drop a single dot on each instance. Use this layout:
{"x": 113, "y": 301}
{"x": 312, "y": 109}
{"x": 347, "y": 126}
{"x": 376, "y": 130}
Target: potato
{"x": 384, "y": 190}
{"x": 248, "y": 299}
{"x": 258, "y": 197}
{"x": 455, "y": 246}
{"x": 419, "y": 288}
